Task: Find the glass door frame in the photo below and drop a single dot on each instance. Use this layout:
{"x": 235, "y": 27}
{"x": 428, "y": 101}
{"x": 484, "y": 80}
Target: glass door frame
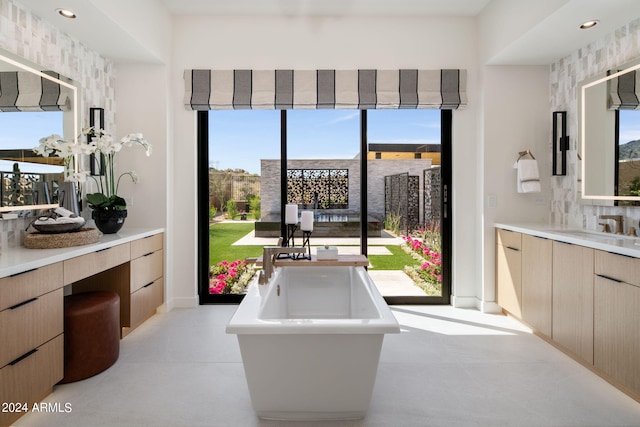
{"x": 202, "y": 164}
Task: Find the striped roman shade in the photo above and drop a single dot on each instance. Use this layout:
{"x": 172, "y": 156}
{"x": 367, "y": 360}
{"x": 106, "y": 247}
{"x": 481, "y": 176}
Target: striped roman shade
{"x": 22, "y": 91}
{"x": 315, "y": 89}
{"x": 624, "y": 91}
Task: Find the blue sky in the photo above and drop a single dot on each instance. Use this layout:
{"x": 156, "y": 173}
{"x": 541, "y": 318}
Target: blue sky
{"x": 26, "y": 129}
{"x": 629, "y": 125}
{"x": 240, "y": 138}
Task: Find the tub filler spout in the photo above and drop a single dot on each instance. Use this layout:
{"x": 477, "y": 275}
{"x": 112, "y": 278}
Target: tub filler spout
{"x": 269, "y": 255}
{"x": 311, "y": 350}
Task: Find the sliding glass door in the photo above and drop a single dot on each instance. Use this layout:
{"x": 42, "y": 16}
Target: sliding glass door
{"x": 394, "y": 165}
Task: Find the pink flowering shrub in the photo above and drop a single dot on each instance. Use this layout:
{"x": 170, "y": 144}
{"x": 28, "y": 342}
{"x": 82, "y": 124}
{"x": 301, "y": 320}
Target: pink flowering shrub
{"x": 425, "y": 247}
{"x": 230, "y": 277}
{"x": 431, "y": 261}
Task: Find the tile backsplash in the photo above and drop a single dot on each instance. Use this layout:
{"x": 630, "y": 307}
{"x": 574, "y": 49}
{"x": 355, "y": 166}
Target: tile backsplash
{"x": 28, "y": 36}
{"x": 619, "y": 47}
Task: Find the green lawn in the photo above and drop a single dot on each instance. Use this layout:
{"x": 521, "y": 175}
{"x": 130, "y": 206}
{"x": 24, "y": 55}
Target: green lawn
{"x": 396, "y": 261}
{"x": 223, "y": 235}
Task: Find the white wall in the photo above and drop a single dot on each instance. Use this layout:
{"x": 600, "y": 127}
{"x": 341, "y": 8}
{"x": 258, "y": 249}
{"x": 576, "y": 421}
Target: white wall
{"x": 516, "y": 117}
{"x": 333, "y": 43}
{"x": 143, "y": 108}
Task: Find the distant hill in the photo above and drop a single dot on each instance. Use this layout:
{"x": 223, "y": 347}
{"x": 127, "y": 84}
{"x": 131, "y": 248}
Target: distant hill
{"x": 630, "y": 150}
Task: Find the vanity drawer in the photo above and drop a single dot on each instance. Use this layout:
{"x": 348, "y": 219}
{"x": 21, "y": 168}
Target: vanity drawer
{"x": 29, "y": 284}
{"x": 509, "y": 239}
{"x": 32, "y": 377}
{"x": 87, "y": 265}
{"x": 145, "y": 301}
{"x": 618, "y": 267}
{"x": 146, "y": 269}
{"x": 27, "y": 325}
{"x": 146, "y": 245}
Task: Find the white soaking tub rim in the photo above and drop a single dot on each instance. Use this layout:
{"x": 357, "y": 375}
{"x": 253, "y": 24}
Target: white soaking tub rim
{"x": 246, "y": 320}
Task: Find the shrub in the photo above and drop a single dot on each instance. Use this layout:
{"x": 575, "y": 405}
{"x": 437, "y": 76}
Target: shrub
{"x": 232, "y": 209}
{"x": 254, "y": 206}
{"x": 230, "y": 277}
{"x": 212, "y": 212}
{"x": 392, "y": 222}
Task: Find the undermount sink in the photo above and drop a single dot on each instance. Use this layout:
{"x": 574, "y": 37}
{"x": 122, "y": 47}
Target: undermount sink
{"x": 594, "y": 235}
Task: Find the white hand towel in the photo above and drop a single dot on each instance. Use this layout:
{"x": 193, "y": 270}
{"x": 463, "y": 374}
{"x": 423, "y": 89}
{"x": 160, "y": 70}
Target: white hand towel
{"x": 64, "y": 212}
{"x": 528, "y": 179}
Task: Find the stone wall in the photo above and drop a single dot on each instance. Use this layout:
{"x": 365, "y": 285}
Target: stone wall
{"x": 613, "y": 50}
{"x": 26, "y": 35}
{"x": 378, "y": 169}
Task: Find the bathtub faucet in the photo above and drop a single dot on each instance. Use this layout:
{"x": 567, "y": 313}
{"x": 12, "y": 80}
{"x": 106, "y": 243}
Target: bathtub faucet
{"x": 269, "y": 255}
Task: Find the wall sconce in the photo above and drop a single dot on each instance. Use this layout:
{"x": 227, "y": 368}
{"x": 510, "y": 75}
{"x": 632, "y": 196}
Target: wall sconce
{"x": 560, "y": 143}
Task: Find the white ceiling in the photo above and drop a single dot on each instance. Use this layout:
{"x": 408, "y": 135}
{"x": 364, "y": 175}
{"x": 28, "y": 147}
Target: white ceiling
{"x": 327, "y": 7}
{"x": 518, "y": 32}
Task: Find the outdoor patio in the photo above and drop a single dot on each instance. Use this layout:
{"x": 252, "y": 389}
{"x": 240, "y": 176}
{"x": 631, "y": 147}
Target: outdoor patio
{"x": 388, "y": 282}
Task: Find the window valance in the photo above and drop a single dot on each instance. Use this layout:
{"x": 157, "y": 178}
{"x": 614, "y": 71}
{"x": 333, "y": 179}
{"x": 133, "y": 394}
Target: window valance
{"x": 316, "y": 89}
{"x": 22, "y": 91}
{"x": 624, "y": 91}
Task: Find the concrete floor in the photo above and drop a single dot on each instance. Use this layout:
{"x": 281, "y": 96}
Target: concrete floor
{"x": 448, "y": 367}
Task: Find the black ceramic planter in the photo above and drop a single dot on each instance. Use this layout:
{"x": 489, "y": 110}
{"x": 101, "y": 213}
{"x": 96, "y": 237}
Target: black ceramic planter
{"x": 109, "y": 221}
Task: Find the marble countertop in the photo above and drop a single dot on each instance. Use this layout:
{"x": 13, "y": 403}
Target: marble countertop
{"x": 19, "y": 259}
{"x": 619, "y": 244}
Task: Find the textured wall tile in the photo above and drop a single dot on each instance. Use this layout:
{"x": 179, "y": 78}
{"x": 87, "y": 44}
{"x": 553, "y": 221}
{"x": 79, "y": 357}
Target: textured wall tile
{"x": 617, "y": 48}
{"x": 36, "y": 40}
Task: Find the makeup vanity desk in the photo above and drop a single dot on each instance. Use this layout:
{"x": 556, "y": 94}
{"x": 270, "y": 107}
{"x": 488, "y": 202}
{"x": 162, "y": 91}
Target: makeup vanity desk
{"x": 33, "y": 283}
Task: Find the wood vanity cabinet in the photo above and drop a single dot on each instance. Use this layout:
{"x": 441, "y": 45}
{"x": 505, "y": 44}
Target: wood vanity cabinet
{"x": 138, "y": 280}
{"x": 146, "y": 285}
{"x": 572, "y": 316}
{"x": 509, "y": 271}
{"x": 31, "y": 337}
{"x": 617, "y": 318}
{"x": 537, "y": 289}
{"x": 32, "y": 312}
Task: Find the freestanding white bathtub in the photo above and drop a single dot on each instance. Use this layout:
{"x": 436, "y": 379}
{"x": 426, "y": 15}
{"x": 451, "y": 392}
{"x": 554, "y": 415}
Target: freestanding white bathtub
{"x": 311, "y": 345}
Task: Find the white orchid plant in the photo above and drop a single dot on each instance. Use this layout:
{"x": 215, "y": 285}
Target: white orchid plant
{"x": 107, "y": 148}
{"x": 104, "y": 147}
{"x": 55, "y": 145}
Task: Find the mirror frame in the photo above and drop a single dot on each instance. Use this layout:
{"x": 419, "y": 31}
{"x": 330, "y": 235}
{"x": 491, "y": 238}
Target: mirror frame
{"x": 74, "y": 92}
{"x": 586, "y": 84}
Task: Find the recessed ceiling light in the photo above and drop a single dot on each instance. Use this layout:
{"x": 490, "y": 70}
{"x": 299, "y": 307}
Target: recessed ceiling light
{"x": 589, "y": 24}
{"x": 66, "y": 13}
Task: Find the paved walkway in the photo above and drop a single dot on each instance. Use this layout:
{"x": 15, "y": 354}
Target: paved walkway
{"x": 388, "y": 282}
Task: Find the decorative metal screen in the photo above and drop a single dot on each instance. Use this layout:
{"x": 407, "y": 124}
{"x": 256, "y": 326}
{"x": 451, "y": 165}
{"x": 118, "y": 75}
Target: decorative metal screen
{"x": 329, "y": 187}
{"x": 17, "y": 188}
{"x": 401, "y": 198}
{"x": 432, "y": 195}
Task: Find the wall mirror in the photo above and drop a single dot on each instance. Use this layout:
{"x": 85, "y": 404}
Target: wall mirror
{"x": 34, "y": 103}
{"x": 609, "y": 135}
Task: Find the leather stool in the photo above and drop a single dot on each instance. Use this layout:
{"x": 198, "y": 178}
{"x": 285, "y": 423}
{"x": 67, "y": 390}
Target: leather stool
{"x": 91, "y": 334}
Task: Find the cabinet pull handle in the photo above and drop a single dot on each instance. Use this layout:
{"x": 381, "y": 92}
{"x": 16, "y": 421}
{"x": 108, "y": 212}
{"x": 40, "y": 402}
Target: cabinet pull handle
{"x": 148, "y": 284}
{"x": 512, "y": 248}
{"x": 24, "y": 356}
{"x": 613, "y": 279}
{"x": 23, "y": 272}
{"x": 150, "y": 253}
{"x": 102, "y": 250}
{"x": 13, "y": 307}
